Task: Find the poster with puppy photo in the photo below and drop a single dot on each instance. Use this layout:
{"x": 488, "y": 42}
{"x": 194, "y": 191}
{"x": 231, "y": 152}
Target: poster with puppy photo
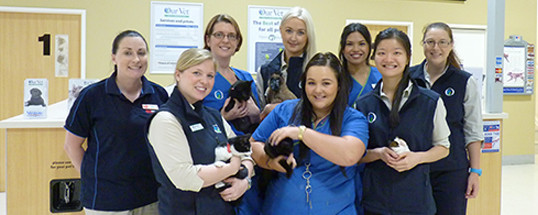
{"x": 36, "y": 97}
{"x": 75, "y": 86}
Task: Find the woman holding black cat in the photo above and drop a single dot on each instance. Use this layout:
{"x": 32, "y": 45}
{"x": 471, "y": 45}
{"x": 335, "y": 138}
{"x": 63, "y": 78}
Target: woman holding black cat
{"x": 332, "y": 139}
{"x": 223, "y": 38}
{"x": 182, "y": 139}
{"x": 298, "y": 38}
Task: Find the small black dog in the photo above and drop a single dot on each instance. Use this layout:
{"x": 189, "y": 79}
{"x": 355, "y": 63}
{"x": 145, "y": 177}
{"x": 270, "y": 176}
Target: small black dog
{"x": 236, "y": 146}
{"x": 36, "y": 98}
{"x": 241, "y": 90}
{"x": 277, "y": 91}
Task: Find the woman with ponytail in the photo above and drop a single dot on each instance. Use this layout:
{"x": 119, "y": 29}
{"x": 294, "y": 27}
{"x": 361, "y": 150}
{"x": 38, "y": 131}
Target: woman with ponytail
{"x": 396, "y": 178}
{"x": 442, "y": 73}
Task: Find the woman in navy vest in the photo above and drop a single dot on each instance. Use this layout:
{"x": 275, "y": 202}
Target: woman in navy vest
{"x": 355, "y": 53}
{"x": 331, "y": 137}
{"x": 298, "y": 38}
{"x": 182, "y": 139}
{"x": 396, "y": 180}
{"x": 111, "y": 115}
{"x": 452, "y": 180}
{"x": 223, "y": 38}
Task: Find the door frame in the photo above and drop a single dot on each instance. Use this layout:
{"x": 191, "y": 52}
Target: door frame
{"x": 80, "y": 12}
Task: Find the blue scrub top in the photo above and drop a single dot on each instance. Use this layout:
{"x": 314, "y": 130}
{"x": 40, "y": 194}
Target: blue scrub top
{"x": 358, "y": 90}
{"x": 221, "y": 89}
{"x": 332, "y": 192}
{"x": 116, "y": 170}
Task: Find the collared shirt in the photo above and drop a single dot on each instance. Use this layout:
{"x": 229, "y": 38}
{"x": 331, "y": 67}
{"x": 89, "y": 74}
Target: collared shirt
{"x": 472, "y": 126}
{"x": 440, "y": 131}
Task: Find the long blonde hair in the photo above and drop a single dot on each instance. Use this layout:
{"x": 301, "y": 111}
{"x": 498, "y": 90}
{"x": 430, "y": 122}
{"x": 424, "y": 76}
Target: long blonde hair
{"x": 303, "y": 14}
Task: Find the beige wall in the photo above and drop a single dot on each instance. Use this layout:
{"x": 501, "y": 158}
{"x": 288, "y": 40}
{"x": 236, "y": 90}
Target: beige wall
{"x": 105, "y": 18}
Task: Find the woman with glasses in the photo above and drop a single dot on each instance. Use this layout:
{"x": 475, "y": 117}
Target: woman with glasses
{"x": 223, "y": 38}
{"x": 396, "y": 179}
{"x": 298, "y": 37}
{"x": 452, "y": 180}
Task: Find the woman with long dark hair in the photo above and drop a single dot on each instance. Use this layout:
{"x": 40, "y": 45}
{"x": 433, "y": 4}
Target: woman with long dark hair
{"x": 331, "y": 137}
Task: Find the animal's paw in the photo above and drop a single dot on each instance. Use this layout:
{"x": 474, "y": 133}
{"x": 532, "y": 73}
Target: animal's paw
{"x": 219, "y": 164}
{"x": 399, "y": 145}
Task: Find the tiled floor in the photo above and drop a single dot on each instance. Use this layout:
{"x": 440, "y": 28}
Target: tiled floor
{"x": 519, "y": 190}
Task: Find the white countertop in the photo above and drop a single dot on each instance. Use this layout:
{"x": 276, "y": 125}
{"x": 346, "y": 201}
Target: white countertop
{"x": 56, "y": 115}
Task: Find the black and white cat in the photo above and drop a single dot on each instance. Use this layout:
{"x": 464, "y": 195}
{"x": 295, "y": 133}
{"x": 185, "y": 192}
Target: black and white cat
{"x": 236, "y": 146}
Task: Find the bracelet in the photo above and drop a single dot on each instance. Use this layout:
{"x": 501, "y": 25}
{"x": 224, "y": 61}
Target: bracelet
{"x": 477, "y": 171}
{"x": 302, "y": 129}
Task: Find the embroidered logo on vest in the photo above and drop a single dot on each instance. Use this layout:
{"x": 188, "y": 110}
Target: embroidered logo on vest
{"x": 216, "y": 129}
{"x": 371, "y": 117}
{"x": 450, "y": 91}
{"x": 219, "y": 95}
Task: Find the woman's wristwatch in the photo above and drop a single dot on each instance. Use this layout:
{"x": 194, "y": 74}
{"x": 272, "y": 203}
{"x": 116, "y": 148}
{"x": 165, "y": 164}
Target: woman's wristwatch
{"x": 477, "y": 171}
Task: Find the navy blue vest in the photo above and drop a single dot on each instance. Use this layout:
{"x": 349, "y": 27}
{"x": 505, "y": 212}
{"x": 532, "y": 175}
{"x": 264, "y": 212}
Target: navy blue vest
{"x": 202, "y": 145}
{"x": 385, "y": 190}
{"x": 451, "y": 86}
{"x": 295, "y": 70}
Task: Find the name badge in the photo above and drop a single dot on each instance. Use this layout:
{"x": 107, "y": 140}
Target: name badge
{"x": 150, "y": 108}
{"x": 196, "y": 127}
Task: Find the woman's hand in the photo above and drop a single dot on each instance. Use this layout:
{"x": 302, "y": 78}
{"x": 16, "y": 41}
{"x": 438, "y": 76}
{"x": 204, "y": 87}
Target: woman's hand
{"x": 237, "y": 189}
{"x": 386, "y": 154}
{"x": 280, "y": 134}
{"x": 275, "y": 165}
{"x": 405, "y": 161}
{"x": 472, "y": 186}
{"x": 253, "y": 112}
{"x": 238, "y": 110}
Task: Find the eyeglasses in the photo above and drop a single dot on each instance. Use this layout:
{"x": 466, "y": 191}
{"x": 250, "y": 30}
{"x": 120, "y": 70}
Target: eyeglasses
{"x": 440, "y": 43}
{"x": 220, "y": 36}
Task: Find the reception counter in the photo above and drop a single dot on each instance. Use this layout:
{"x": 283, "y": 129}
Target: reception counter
{"x": 35, "y": 157}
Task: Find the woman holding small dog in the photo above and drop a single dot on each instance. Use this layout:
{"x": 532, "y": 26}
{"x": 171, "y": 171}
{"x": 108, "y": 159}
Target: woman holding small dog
{"x": 298, "y": 38}
{"x": 399, "y": 183}
{"x": 182, "y": 139}
{"x": 331, "y": 137}
{"x": 223, "y": 38}
{"x": 456, "y": 177}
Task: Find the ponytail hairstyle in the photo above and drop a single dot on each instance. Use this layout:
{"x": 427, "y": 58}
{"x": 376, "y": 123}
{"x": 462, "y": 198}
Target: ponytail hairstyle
{"x": 304, "y": 112}
{"x": 453, "y": 59}
{"x": 351, "y": 28}
{"x": 119, "y": 38}
{"x": 401, "y": 37}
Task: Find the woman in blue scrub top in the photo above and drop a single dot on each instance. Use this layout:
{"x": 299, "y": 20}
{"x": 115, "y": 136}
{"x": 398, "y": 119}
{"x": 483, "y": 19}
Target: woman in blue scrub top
{"x": 223, "y": 38}
{"x": 332, "y": 139}
{"x": 399, "y": 183}
{"x": 355, "y": 54}
{"x": 452, "y": 180}
{"x": 111, "y": 115}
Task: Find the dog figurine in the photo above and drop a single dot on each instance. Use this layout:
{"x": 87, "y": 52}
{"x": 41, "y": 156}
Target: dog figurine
{"x": 36, "y": 98}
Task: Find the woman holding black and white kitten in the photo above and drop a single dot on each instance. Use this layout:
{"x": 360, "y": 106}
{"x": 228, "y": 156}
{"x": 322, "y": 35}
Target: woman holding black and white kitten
{"x": 223, "y": 38}
{"x": 182, "y": 139}
{"x": 332, "y": 139}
